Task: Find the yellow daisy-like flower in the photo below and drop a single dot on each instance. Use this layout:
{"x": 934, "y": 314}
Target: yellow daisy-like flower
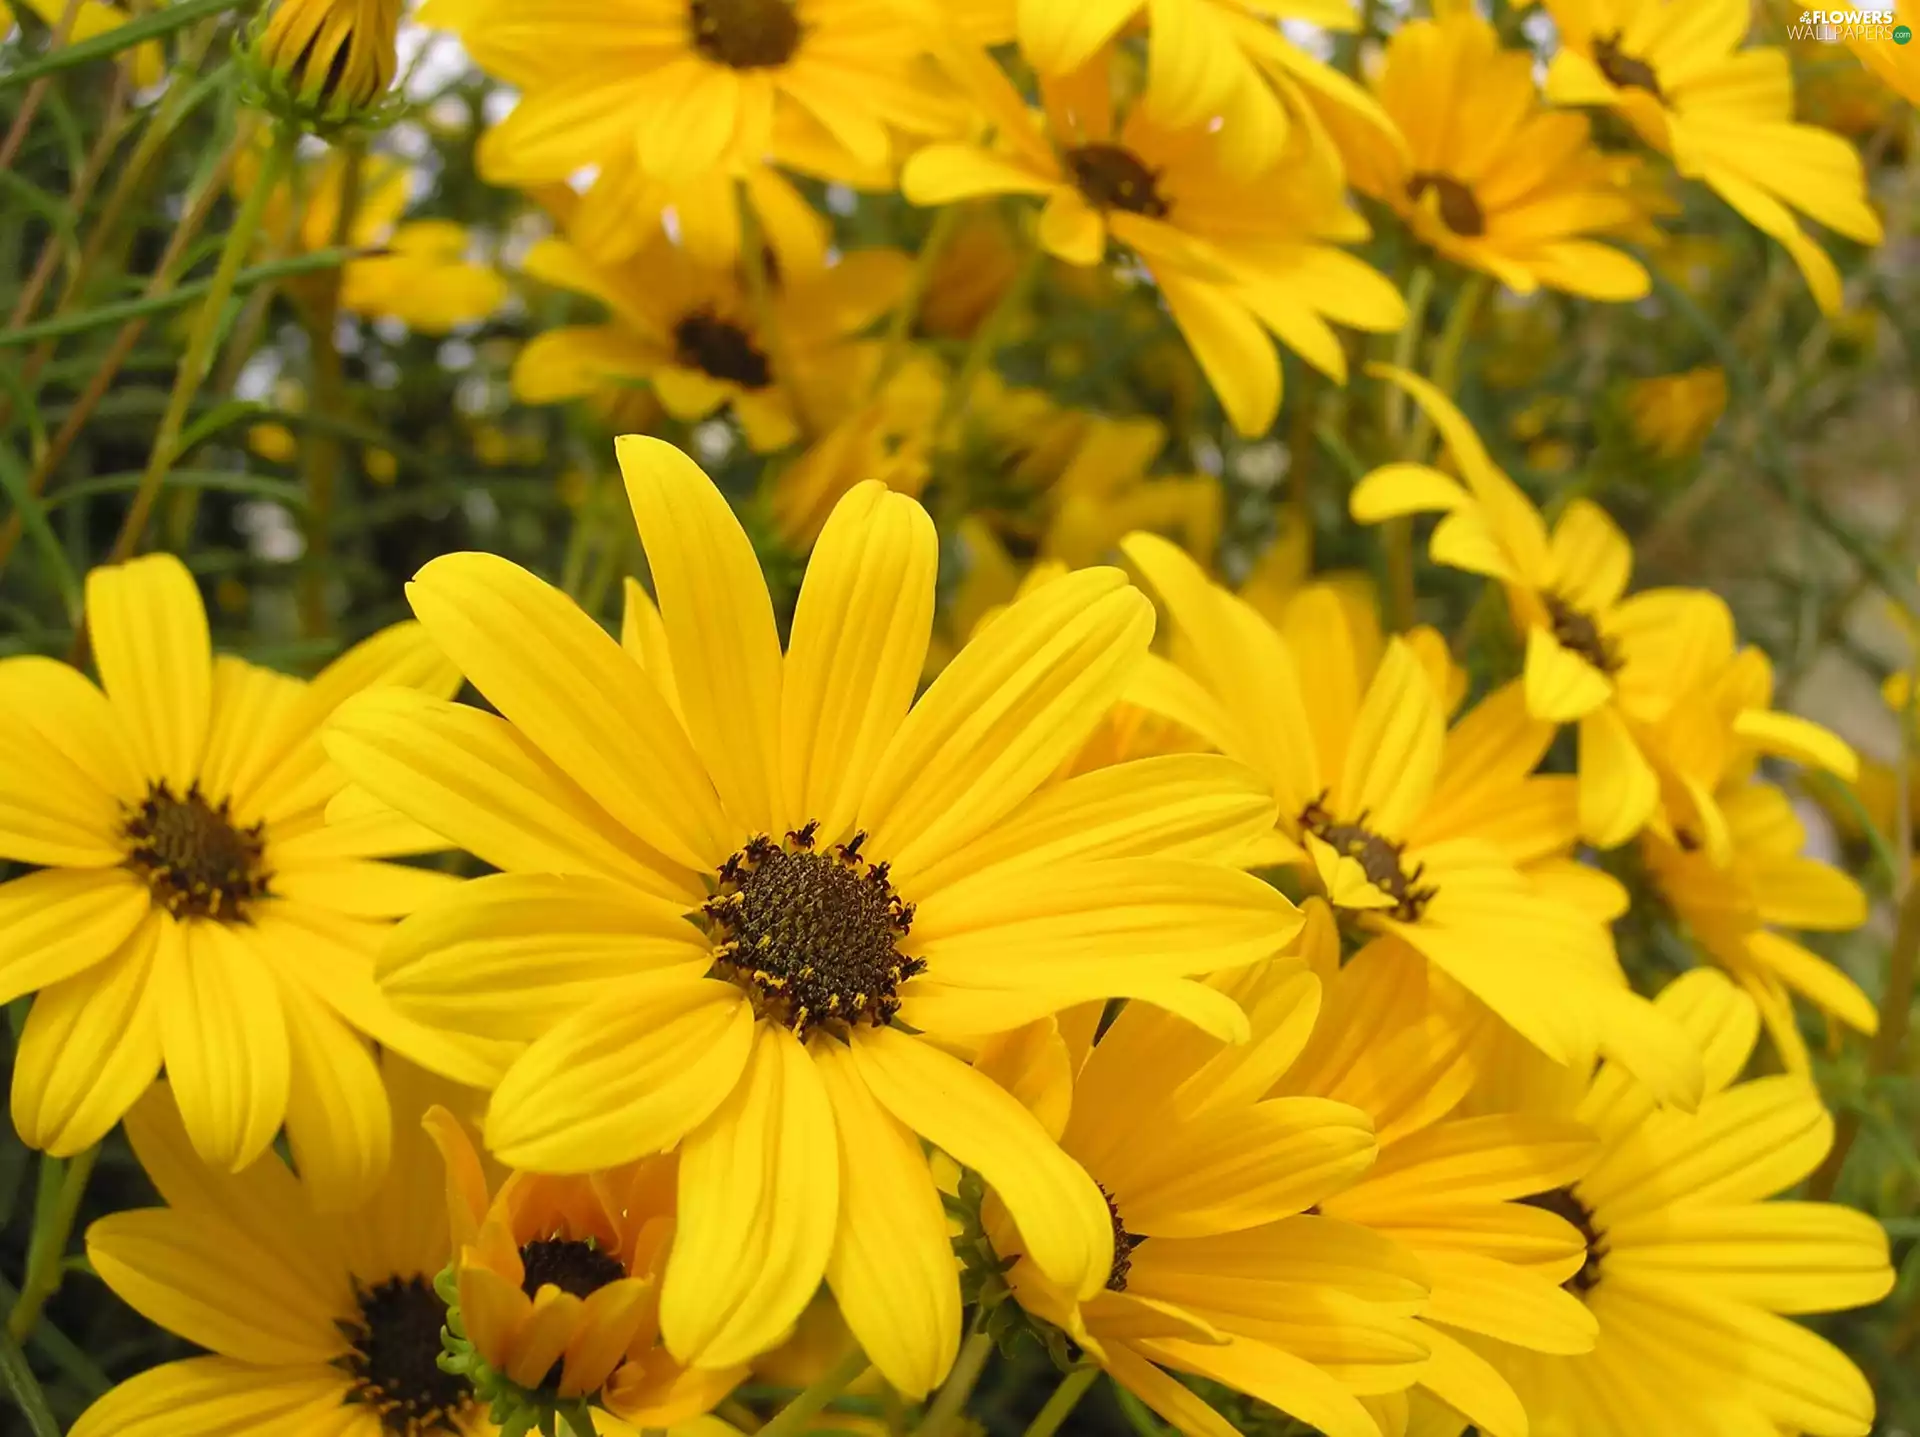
{"x": 1487, "y": 175}
{"x": 692, "y": 87}
{"x": 1223, "y": 1267}
{"x": 1689, "y": 1271}
{"x": 191, "y": 907}
{"x": 1447, "y": 1187}
{"x": 1391, "y": 822}
{"x": 558, "y": 1280}
{"x": 316, "y": 1325}
{"x": 1678, "y": 75}
{"x": 424, "y": 279}
{"x": 1673, "y": 414}
{"x": 848, "y": 856}
{"x": 691, "y": 333}
{"x": 1235, "y": 259}
{"x": 333, "y": 56}
{"x": 1207, "y": 60}
{"x": 1594, "y": 656}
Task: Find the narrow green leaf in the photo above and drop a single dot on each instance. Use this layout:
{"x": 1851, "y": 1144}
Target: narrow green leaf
{"x": 124, "y": 37}
{"x": 222, "y": 481}
{"x": 25, "y": 1388}
{"x": 186, "y": 294}
{"x": 33, "y": 517}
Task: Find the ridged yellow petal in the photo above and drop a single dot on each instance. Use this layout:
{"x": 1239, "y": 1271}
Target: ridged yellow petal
{"x": 150, "y": 642}
{"x": 59, "y": 922}
{"x": 224, "y": 1036}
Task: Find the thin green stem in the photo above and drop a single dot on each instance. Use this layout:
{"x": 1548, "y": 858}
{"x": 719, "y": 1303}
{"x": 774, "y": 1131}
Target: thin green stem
{"x": 201, "y": 344}
{"x": 893, "y": 351}
{"x": 1393, "y": 412}
{"x": 25, "y": 1390}
{"x": 46, "y": 1254}
{"x": 1065, "y": 1397}
{"x": 1445, "y": 372}
{"x": 951, "y": 1400}
{"x": 798, "y": 1414}
{"x": 987, "y": 340}
{"x": 322, "y": 457}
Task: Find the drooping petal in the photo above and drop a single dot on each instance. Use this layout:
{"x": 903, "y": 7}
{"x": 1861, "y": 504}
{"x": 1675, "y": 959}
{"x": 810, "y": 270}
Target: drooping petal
{"x": 59, "y": 922}
{"x": 759, "y": 1205}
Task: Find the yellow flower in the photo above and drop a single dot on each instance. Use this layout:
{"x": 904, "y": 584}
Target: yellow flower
{"x": 91, "y": 18}
{"x": 849, "y": 855}
{"x": 1594, "y": 657}
{"x": 697, "y": 87}
{"x": 1407, "y": 830}
{"x": 1235, "y": 259}
{"x": 1447, "y": 1187}
{"x": 335, "y": 57}
{"x": 1223, "y": 1267}
{"x": 1229, "y": 59}
{"x": 1673, "y": 414}
{"x": 189, "y": 905}
{"x": 558, "y": 1280}
{"x": 1488, "y": 176}
{"x": 1690, "y": 1273}
{"x": 690, "y": 332}
{"x": 424, "y": 280}
{"x": 1677, "y": 74}
{"x": 313, "y": 1323}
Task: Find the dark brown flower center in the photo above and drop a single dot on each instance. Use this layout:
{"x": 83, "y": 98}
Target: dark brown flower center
{"x": 570, "y": 1264}
{"x": 197, "y": 861}
{"x": 1624, "y": 70}
{"x": 1565, "y": 1203}
{"x": 745, "y": 34}
{"x": 722, "y": 349}
{"x": 1459, "y": 210}
{"x": 1379, "y": 857}
{"x": 812, "y": 935}
{"x": 1124, "y": 1243}
{"x": 1112, "y": 177}
{"x": 395, "y": 1359}
{"x": 1577, "y": 630}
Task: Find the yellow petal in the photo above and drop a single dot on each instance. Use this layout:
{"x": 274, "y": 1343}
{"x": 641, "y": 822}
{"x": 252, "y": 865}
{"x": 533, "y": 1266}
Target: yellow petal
{"x": 1618, "y": 789}
{"x": 629, "y": 1075}
{"x": 1467, "y": 1382}
{"x": 91, "y": 1046}
{"x": 759, "y": 1204}
{"x": 544, "y": 1336}
{"x": 1019, "y": 698}
{"x": 858, "y": 648}
{"x": 1059, "y": 39}
{"x": 1562, "y": 686}
{"x": 1276, "y": 1377}
{"x": 339, "y": 1128}
{"x": 1487, "y": 1296}
{"x": 1401, "y": 488}
{"x": 224, "y": 1035}
{"x": 59, "y": 922}
{"x": 1394, "y": 754}
{"x": 719, "y": 622}
{"x": 1063, "y": 1219}
{"x": 216, "y": 1397}
{"x": 150, "y": 643}
{"x": 69, "y": 770}
{"x": 1232, "y": 348}
{"x": 1802, "y": 740}
{"x": 1792, "y": 1257}
{"x": 567, "y": 686}
{"x": 1591, "y": 557}
{"x": 891, "y": 1269}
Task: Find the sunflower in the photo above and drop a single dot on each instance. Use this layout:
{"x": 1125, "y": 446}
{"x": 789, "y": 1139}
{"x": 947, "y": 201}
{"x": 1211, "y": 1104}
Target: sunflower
{"x": 1207, "y": 60}
{"x": 692, "y": 87}
{"x": 1593, "y": 657}
{"x": 849, "y": 856}
{"x": 558, "y": 1286}
{"x": 1487, "y": 175}
{"x": 691, "y": 332}
{"x": 1355, "y": 762}
{"x": 1678, "y": 75}
{"x": 190, "y": 907}
{"x": 422, "y": 279}
{"x": 1404, "y": 1048}
{"x": 1688, "y": 1270}
{"x": 1672, "y": 415}
{"x": 315, "y": 1325}
{"x": 1224, "y": 1267}
{"x": 1235, "y": 259}
{"x": 332, "y": 57}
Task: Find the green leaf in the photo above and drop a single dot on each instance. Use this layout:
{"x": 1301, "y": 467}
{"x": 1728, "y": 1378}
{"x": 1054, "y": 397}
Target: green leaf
{"x": 124, "y": 37}
{"x": 25, "y": 1388}
{"x": 33, "y": 518}
{"x": 222, "y": 481}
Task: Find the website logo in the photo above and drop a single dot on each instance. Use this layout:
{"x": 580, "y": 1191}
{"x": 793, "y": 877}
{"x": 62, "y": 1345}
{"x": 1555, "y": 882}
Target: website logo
{"x": 1834, "y": 27}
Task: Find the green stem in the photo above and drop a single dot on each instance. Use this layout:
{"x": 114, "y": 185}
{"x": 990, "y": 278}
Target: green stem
{"x": 201, "y": 344}
{"x": 798, "y": 1414}
{"x": 1445, "y": 373}
{"x": 163, "y": 21}
{"x": 951, "y": 1400}
{"x": 46, "y": 1255}
{"x": 25, "y": 1390}
{"x": 1065, "y": 1397}
{"x": 893, "y": 350}
{"x": 1393, "y": 413}
{"x": 987, "y": 340}
{"x": 322, "y": 458}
